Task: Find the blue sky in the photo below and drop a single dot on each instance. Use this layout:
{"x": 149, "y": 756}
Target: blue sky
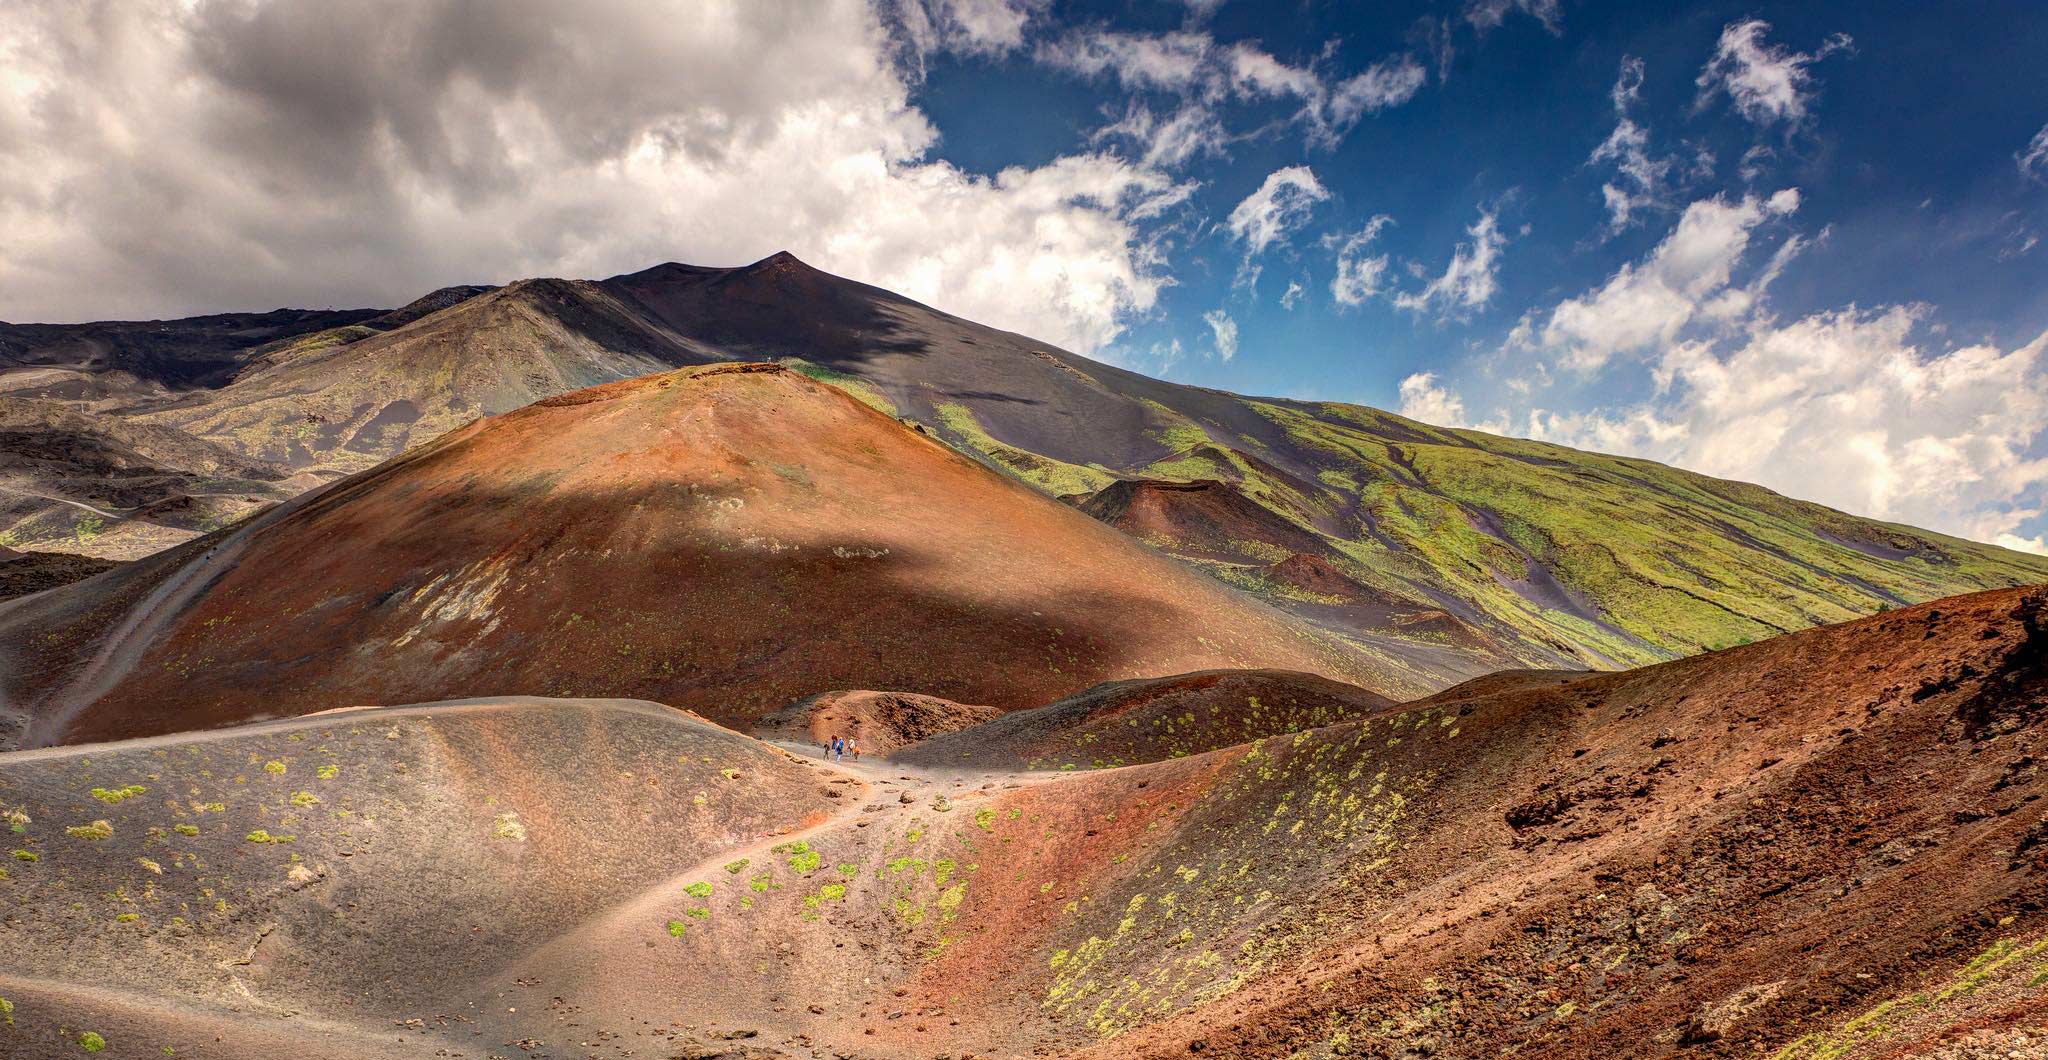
{"x": 1901, "y": 128}
{"x": 1795, "y": 244}
{"x": 1906, "y": 156}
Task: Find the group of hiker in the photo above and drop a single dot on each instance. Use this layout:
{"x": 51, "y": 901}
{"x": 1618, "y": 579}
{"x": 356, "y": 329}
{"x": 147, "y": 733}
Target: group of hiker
{"x": 839, "y": 748}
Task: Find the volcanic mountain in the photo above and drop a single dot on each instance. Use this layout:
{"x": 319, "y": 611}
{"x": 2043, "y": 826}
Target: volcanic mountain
{"x": 1826, "y": 846}
{"x": 1533, "y": 554}
{"x": 724, "y": 539}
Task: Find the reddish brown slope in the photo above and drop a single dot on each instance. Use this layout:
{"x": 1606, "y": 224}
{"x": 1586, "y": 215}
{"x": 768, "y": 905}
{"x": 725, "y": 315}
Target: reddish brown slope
{"x": 1729, "y": 854}
{"x": 726, "y": 539}
{"x": 1207, "y": 519}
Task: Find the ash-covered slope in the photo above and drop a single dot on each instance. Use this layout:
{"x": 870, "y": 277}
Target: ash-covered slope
{"x": 320, "y": 887}
{"x": 85, "y": 469}
{"x": 108, "y": 486}
{"x": 726, "y": 539}
{"x": 130, "y": 357}
{"x": 336, "y": 407}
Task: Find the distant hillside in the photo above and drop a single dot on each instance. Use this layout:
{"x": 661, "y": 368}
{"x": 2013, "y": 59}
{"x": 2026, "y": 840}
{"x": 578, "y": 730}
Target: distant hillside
{"x": 82, "y": 471}
{"x": 1410, "y": 540}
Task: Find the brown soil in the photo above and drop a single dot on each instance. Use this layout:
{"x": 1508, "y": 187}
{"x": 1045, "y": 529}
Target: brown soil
{"x": 726, "y": 539}
{"x": 22, "y": 573}
{"x": 882, "y": 722}
{"x": 1722, "y": 855}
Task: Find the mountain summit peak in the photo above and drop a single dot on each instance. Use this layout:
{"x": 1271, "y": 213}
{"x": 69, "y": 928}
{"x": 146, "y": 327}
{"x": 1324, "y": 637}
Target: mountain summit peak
{"x": 779, "y": 259}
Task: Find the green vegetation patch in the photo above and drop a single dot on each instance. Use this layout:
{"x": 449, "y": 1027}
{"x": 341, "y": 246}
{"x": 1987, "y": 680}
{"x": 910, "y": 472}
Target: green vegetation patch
{"x": 95, "y": 831}
{"x": 860, "y": 389}
{"x": 802, "y": 859}
{"x": 1056, "y": 477}
{"x": 2005, "y": 960}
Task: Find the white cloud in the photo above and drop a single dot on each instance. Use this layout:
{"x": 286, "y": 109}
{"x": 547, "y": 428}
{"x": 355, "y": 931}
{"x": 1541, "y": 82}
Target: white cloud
{"x": 1254, "y": 72}
{"x": 1294, "y": 295}
{"x": 1641, "y": 178}
{"x": 1225, "y": 330}
{"x": 1468, "y": 282}
{"x": 2033, "y": 161}
{"x": 1175, "y": 61}
{"x": 1281, "y": 205}
{"x": 993, "y": 26}
{"x": 1327, "y": 111}
{"x": 1647, "y": 303}
{"x": 168, "y": 158}
{"x": 1381, "y": 85}
{"x": 1190, "y": 132}
{"x": 1165, "y": 356}
{"x": 1765, "y": 82}
{"x": 1489, "y": 14}
{"x": 1195, "y": 66}
{"x": 1423, "y": 398}
{"x": 1359, "y": 276}
{"x": 2038, "y": 544}
{"x": 1642, "y": 181}
{"x": 1845, "y": 406}
{"x": 1754, "y": 161}
{"x": 968, "y": 27}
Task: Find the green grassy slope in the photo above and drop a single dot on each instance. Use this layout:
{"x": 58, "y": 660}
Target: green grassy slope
{"x": 1616, "y": 561}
